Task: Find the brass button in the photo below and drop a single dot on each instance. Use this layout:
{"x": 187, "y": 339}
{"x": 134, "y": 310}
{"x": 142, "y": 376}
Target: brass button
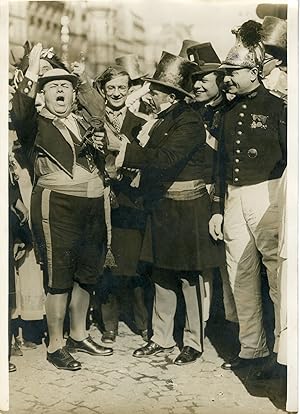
{"x": 236, "y": 170}
{"x": 242, "y": 114}
{"x": 238, "y": 141}
{"x": 237, "y": 160}
{"x": 238, "y": 151}
{"x": 29, "y": 83}
{"x": 239, "y": 132}
{"x": 240, "y": 123}
{"x": 244, "y": 106}
{"x": 26, "y": 90}
{"x": 236, "y": 179}
{"x": 252, "y": 153}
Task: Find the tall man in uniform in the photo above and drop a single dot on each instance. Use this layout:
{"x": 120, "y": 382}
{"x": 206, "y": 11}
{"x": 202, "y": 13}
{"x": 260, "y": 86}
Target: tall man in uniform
{"x": 177, "y": 241}
{"x": 67, "y": 206}
{"x": 252, "y": 159}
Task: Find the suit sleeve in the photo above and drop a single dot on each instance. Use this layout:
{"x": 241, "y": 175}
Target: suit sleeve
{"x": 91, "y": 100}
{"x": 282, "y": 128}
{"x": 24, "y": 114}
{"x": 179, "y": 145}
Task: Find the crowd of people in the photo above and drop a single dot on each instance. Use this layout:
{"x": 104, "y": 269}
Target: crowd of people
{"x": 147, "y": 185}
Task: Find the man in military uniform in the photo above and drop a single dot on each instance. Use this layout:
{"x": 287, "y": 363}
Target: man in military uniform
{"x": 67, "y": 206}
{"x": 177, "y": 241}
{"x": 252, "y": 158}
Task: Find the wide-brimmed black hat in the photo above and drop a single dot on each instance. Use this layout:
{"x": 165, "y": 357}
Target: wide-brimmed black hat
{"x": 57, "y": 74}
{"x": 174, "y": 72}
{"x": 206, "y": 58}
{"x": 187, "y": 43}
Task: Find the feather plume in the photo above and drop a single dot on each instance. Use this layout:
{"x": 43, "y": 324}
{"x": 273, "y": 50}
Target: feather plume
{"x": 251, "y": 33}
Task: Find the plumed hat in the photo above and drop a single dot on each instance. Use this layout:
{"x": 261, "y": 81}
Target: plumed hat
{"x": 274, "y": 37}
{"x": 174, "y": 72}
{"x": 248, "y": 51}
{"x": 131, "y": 64}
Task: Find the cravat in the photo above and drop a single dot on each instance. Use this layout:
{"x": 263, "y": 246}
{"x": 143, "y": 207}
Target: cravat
{"x": 115, "y": 122}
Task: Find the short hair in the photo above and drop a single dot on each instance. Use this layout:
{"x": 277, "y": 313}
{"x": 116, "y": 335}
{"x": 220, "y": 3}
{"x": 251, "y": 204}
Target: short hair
{"x": 110, "y": 73}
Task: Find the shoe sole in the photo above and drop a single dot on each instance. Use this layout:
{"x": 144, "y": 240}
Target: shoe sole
{"x": 74, "y": 350}
{"x": 165, "y": 351}
{"x": 180, "y": 364}
{"x": 64, "y": 368}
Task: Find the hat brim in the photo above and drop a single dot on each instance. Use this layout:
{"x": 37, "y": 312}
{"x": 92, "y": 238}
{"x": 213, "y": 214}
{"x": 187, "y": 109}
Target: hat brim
{"x": 205, "y": 71}
{"x": 139, "y": 77}
{"x": 71, "y": 78}
{"x": 168, "y": 86}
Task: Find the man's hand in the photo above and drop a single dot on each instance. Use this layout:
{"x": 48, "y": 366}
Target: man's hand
{"x": 215, "y": 227}
{"x": 78, "y": 68}
{"x": 99, "y": 141}
{"x": 34, "y": 59}
{"x": 114, "y": 143}
{"x": 19, "y": 250}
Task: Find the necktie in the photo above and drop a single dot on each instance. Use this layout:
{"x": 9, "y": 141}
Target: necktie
{"x": 115, "y": 122}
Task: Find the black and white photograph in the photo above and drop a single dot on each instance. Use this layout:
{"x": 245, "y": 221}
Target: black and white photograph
{"x": 150, "y": 250}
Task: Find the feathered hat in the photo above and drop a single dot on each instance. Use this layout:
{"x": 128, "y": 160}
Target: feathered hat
{"x": 248, "y": 51}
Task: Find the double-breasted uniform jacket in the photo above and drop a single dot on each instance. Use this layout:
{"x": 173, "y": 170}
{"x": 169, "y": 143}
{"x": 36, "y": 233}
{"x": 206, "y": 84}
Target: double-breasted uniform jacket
{"x": 253, "y": 146}
{"x": 172, "y": 184}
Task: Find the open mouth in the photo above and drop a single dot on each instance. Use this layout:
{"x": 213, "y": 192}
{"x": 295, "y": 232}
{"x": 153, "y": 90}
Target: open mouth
{"x": 60, "y": 99}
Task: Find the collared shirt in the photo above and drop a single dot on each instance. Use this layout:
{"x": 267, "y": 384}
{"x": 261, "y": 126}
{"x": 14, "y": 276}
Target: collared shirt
{"x": 120, "y": 114}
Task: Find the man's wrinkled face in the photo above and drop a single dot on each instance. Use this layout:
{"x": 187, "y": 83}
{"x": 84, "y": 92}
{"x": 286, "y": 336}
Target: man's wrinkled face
{"x": 206, "y": 88}
{"x": 157, "y": 98}
{"x": 238, "y": 81}
{"x": 59, "y": 96}
{"x": 116, "y": 91}
{"x": 44, "y": 66}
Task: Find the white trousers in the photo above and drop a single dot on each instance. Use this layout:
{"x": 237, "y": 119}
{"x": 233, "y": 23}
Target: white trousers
{"x": 250, "y": 231}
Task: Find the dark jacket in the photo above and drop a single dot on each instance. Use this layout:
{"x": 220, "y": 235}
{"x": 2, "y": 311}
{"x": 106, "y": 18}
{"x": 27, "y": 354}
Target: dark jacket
{"x": 253, "y": 145}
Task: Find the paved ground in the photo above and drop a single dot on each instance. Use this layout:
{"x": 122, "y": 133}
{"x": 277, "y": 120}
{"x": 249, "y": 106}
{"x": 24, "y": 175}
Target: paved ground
{"x": 121, "y": 384}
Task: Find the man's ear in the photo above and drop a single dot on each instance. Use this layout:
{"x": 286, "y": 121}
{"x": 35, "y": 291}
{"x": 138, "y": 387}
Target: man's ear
{"x": 172, "y": 97}
{"x": 74, "y": 95}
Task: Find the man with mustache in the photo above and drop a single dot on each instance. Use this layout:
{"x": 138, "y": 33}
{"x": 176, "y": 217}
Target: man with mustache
{"x": 67, "y": 206}
{"x": 252, "y": 158}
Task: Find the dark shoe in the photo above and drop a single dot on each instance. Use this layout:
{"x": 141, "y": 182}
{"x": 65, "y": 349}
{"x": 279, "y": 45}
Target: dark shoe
{"x": 188, "y": 355}
{"x": 109, "y": 337}
{"x": 144, "y": 335}
{"x": 239, "y": 363}
{"x": 87, "y": 345}
{"x": 271, "y": 371}
{"x": 151, "y": 349}
{"x": 61, "y": 359}
{"x": 11, "y": 367}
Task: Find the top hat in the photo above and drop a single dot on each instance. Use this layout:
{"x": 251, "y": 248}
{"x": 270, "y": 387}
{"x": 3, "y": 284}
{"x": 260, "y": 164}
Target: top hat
{"x": 248, "y": 51}
{"x": 174, "y": 72}
{"x": 206, "y": 58}
{"x": 185, "y": 45}
{"x": 131, "y": 64}
{"x": 57, "y": 74}
{"x": 274, "y": 37}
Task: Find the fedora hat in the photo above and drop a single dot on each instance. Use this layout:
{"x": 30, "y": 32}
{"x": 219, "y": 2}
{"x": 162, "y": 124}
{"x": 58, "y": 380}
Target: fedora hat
{"x": 274, "y": 37}
{"x": 185, "y": 45}
{"x": 57, "y": 74}
{"x": 248, "y": 51}
{"x": 174, "y": 72}
{"x": 131, "y": 64}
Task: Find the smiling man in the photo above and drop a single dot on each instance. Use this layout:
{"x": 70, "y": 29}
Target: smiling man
{"x": 252, "y": 158}
{"x": 67, "y": 206}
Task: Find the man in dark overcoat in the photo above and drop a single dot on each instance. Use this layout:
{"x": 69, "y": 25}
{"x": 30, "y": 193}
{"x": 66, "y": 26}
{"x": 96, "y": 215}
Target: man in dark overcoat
{"x": 177, "y": 241}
